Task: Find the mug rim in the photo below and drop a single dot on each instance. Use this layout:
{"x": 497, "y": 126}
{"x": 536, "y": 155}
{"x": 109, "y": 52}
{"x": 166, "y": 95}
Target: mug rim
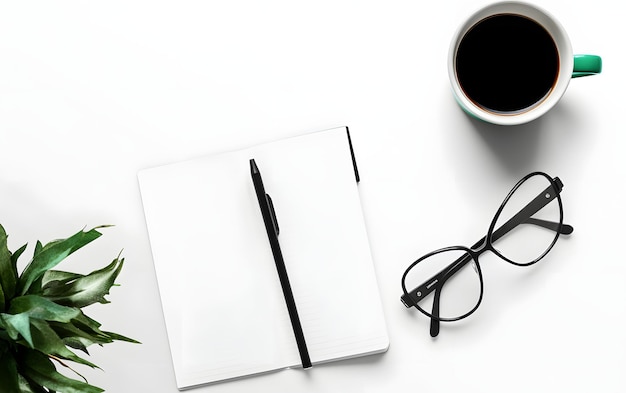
{"x": 564, "y": 51}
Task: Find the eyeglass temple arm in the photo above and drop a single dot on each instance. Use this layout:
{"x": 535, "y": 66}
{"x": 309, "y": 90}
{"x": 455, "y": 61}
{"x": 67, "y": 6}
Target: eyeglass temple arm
{"x": 434, "y": 322}
{"x": 522, "y": 217}
{"x": 554, "y": 226}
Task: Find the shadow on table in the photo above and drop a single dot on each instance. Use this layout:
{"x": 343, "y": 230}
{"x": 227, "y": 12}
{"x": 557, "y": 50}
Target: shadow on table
{"x": 521, "y": 146}
{"x": 513, "y": 146}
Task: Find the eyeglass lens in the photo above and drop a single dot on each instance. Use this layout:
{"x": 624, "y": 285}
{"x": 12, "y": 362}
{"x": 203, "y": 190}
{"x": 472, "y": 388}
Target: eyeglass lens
{"x": 458, "y": 292}
{"x": 526, "y": 242}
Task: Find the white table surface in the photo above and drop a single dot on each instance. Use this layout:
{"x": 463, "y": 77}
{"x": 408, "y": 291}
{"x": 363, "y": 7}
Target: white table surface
{"x": 91, "y": 92}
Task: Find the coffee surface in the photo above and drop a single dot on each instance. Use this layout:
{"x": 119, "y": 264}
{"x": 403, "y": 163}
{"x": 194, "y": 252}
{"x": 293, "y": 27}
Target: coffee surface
{"x": 507, "y": 63}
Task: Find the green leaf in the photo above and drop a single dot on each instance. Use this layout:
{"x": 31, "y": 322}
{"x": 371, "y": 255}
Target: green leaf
{"x": 39, "y": 246}
{"x": 88, "y": 289}
{"x": 92, "y": 328}
{"x": 8, "y": 374}
{"x": 18, "y": 324}
{"x": 78, "y": 338}
{"x": 16, "y": 255}
{"x": 88, "y": 325}
{"x": 56, "y": 278}
{"x": 47, "y": 341}
{"x": 14, "y": 259}
{"x": 119, "y": 337}
{"x": 41, "y": 308}
{"x": 2, "y": 300}
{"x": 51, "y": 254}
{"x": 78, "y": 343}
{"x": 8, "y": 275}
{"x": 4, "y": 335}
{"x": 40, "y": 369}
{"x": 29, "y": 386}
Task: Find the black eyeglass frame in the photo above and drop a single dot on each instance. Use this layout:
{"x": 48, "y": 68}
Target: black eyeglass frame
{"x": 524, "y": 216}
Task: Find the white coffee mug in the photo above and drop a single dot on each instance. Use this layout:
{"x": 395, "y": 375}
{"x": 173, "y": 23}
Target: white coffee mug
{"x": 486, "y": 72}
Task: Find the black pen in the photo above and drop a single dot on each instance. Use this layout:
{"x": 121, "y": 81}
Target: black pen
{"x": 271, "y": 226}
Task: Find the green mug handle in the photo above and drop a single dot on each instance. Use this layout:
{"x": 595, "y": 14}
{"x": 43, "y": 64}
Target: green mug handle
{"x": 585, "y": 65}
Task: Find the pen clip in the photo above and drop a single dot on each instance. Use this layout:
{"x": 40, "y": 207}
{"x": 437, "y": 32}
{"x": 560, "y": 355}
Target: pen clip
{"x": 270, "y": 204}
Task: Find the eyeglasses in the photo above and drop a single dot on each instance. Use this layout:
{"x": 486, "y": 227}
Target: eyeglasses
{"x": 447, "y": 284}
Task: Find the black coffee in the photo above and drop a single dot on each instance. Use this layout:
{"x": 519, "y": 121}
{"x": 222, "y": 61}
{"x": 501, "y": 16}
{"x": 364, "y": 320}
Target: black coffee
{"x": 507, "y": 63}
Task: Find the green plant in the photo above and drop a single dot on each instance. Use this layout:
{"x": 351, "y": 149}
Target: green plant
{"x": 41, "y": 316}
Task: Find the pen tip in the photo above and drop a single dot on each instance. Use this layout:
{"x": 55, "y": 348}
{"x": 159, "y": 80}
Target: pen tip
{"x": 253, "y": 167}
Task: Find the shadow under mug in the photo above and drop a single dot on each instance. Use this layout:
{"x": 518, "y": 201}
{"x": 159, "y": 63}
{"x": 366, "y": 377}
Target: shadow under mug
{"x": 484, "y": 42}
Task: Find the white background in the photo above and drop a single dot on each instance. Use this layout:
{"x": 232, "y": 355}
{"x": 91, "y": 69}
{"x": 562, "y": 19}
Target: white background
{"x": 91, "y": 92}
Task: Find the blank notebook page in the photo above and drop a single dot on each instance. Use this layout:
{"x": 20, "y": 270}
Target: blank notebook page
{"x": 223, "y": 305}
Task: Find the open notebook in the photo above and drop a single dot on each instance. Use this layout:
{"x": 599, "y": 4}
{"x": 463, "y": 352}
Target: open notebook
{"x": 225, "y": 313}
